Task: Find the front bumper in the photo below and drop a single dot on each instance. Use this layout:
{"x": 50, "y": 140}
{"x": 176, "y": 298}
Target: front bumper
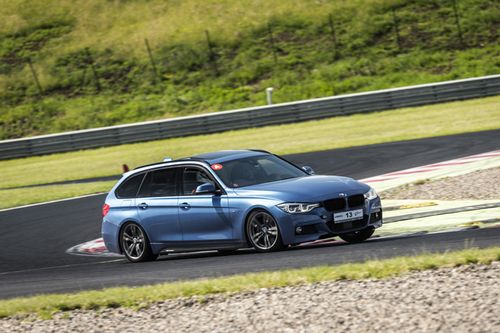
{"x": 319, "y": 223}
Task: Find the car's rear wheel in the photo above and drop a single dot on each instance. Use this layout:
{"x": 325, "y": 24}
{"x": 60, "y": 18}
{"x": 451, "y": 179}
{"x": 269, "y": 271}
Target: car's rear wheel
{"x": 263, "y": 232}
{"x": 135, "y": 243}
{"x": 358, "y": 236}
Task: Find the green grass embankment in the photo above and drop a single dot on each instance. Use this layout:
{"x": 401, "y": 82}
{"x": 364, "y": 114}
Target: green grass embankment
{"x": 93, "y": 67}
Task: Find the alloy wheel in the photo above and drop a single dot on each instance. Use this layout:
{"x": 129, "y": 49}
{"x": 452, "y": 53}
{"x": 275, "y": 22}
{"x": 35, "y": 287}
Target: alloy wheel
{"x": 263, "y": 232}
{"x": 133, "y": 241}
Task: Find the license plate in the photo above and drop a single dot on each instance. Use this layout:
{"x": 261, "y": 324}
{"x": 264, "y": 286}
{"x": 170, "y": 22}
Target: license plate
{"x": 348, "y": 216}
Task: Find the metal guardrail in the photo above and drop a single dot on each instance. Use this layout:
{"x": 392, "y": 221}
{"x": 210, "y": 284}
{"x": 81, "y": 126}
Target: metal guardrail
{"x": 253, "y": 117}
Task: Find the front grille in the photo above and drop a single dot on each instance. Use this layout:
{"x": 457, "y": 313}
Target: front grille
{"x": 356, "y": 200}
{"x": 334, "y": 204}
{"x": 346, "y": 226}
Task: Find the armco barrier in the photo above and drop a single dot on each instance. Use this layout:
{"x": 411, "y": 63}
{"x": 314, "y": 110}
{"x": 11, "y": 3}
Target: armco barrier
{"x": 253, "y": 117}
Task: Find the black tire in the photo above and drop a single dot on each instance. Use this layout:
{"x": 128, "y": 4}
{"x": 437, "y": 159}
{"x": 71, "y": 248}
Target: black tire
{"x": 262, "y": 232}
{"x": 358, "y": 236}
{"x": 135, "y": 243}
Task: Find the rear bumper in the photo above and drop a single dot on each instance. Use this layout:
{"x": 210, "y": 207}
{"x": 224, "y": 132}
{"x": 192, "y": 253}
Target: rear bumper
{"x": 109, "y": 233}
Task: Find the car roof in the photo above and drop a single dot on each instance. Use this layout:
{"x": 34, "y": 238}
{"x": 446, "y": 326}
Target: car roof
{"x": 212, "y": 158}
{"x": 227, "y": 155}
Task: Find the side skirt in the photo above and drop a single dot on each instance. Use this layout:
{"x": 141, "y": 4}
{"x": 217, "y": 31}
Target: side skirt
{"x": 183, "y": 246}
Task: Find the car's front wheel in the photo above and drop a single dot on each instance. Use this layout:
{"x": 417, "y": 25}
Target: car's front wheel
{"x": 135, "y": 243}
{"x": 263, "y": 232}
{"x": 358, "y": 236}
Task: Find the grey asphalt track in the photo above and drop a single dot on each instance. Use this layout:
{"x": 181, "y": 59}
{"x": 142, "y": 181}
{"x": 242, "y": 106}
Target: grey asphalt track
{"x": 33, "y": 240}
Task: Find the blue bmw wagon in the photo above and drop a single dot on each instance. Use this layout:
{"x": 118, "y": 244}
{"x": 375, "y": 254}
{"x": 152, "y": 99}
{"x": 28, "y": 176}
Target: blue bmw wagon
{"x": 233, "y": 199}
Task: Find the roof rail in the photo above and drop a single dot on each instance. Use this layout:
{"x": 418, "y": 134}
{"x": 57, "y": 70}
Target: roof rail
{"x": 185, "y": 159}
{"x": 146, "y": 165}
{"x": 260, "y": 151}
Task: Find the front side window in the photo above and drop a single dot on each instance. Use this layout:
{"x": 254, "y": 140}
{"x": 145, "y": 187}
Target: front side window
{"x": 256, "y": 170}
{"x": 159, "y": 183}
{"x": 192, "y": 178}
{"x": 128, "y": 189}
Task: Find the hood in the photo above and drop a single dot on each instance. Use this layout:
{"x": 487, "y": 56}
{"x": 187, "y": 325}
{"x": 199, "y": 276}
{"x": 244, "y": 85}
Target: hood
{"x": 305, "y": 189}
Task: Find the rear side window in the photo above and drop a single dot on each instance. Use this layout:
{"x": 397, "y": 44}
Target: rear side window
{"x": 159, "y": 183}
{"x": 129, "y": 188}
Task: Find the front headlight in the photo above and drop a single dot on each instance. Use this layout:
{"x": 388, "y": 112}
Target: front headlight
{"x": 297, "y": 207}
{"x": 371, "y": 194}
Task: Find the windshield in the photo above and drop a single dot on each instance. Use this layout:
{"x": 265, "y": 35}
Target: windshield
{"x": 256, "y": 170}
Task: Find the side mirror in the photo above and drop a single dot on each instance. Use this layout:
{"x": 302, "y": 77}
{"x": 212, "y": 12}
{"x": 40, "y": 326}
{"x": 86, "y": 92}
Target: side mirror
{"x": 308, "y": 170}
{"x": 206, "y": 188}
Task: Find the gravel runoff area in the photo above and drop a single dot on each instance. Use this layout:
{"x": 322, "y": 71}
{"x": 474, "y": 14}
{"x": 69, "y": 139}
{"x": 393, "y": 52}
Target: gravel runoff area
{"x": 478, "y": 185}
{"x": 460, "y": 299}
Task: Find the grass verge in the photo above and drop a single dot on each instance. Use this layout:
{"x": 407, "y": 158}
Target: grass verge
{"x": 45, "y": 305}
{"x": 338, "y": 132}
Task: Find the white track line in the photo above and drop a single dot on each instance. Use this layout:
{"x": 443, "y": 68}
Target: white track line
{"x": 448, "y": 168}
{"x": 51, "y": 202}
{"x": 60, "y": 266}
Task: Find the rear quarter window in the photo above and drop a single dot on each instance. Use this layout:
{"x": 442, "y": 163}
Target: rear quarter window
{"x": 159, "y": 183}
{"x": 130, "y": 187}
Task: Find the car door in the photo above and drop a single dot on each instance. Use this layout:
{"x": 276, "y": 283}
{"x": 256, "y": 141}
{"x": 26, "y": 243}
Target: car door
{"x": 204, "y": 218}
{"x": 157, "y": 205}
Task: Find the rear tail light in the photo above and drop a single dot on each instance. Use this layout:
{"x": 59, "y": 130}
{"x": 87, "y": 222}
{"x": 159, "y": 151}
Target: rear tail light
{"x": 105, "y": 209}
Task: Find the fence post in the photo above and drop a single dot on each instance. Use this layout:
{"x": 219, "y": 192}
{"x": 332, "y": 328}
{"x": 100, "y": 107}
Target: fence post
{"x": 84, "y": 74}
{"x": 271, "y": 40}
{"x": 94, "y": 72}
{"x": 396, "y": 28}
{"x": 35, "y": 77}
{"x": 151, "y": 59}
{"x": 334, "y": 37}
{"x": 212, "y": 57}
{"x": 457, "y": 22}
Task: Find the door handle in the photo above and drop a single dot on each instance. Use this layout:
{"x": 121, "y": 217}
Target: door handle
{"x": 185, "y": 206}
{"x": 143, "y": 205}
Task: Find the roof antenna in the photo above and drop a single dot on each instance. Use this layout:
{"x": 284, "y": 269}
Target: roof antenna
{"x": 167, "y": 159}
